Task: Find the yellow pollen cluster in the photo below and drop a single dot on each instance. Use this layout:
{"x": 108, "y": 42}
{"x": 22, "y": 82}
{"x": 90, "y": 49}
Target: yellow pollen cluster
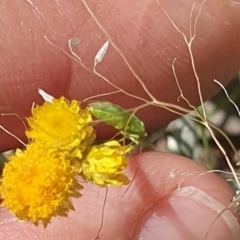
{"x": 61, "y": 126}
{"x": 37, "y": 185}
{"x": 38, "y": 182}
{"x": 105, "y": 164}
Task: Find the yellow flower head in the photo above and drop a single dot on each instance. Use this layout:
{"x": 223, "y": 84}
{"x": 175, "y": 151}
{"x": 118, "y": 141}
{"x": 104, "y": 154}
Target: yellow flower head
{"x": 104, "y": 164}
{"x": 37, "y": 185}
{"x": 60, "y": 125}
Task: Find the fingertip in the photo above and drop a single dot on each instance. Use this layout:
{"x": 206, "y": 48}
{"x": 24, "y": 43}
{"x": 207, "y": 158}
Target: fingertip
{"x": 188, "y": 214}
{"x": 170, "y": 170}
{"x": 181, "y": 195}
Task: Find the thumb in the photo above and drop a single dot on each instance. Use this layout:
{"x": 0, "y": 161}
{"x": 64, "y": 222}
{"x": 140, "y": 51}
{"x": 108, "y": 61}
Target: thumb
{"x": 161, "y": 204}
{"x": 182, "y": 207}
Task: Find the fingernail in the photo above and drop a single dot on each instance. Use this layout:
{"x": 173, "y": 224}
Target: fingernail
{"x": 189, "y": 213}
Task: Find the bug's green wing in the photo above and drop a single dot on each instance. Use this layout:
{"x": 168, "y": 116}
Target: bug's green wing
{"x": 129, "y": 125}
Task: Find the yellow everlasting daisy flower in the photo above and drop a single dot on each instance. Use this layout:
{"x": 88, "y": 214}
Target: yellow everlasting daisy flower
{"x": 104, "y": 164}
{"x": 62, "y": 126}
{"x": 37, "y": 185}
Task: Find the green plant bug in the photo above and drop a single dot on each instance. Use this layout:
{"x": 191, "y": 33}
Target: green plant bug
{"x": 128, "y": 124}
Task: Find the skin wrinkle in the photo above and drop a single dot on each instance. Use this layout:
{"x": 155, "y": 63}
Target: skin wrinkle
{"x": 234, "y": 3}
{"x": 59, "y": 7}
{"x": 65, "y": 16}
{"x": 35, "y": 9}
{"x": 182, "y": 229}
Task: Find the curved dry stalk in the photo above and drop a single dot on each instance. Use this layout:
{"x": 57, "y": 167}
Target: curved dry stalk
{"x": 102, "y": 217}
{"x": 118, "y": 88}
{"x": 13, "y": 135}
{"x": 118, "y": 51}
{"x": 189, "y": 45}
{"x": 226, "y": 93}
{"x": 75, "y": 57}
{"x": 8, "y": 132}
{"x": 223, "y": 152}
{"x": 180, "y": 89}
{"x": 100, "y": 95}
{"x": 225, "y": 137}
{"x": 16, "y": 115}
{"x": 235, "y": 202}
{"x": 217, "y": 217}
{"x": 154, "y": 100}
{"x": 205, "y": 122}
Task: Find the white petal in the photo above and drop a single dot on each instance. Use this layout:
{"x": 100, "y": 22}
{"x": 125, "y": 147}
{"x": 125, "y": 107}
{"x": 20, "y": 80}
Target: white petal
{"x": 45, "y": 96}
{"x": 101, "y": 53}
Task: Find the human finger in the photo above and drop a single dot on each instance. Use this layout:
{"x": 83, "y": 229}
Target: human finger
{"x": 161, "y": 203}
{"x": 144, "y": 36}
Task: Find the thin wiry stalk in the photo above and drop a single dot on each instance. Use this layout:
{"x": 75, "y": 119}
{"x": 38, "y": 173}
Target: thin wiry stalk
{"x": 13, "y": 135}
{"x": 118, "y": 51}
{"x": 204, "y": 117}
{"x": 102, "y": 218}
